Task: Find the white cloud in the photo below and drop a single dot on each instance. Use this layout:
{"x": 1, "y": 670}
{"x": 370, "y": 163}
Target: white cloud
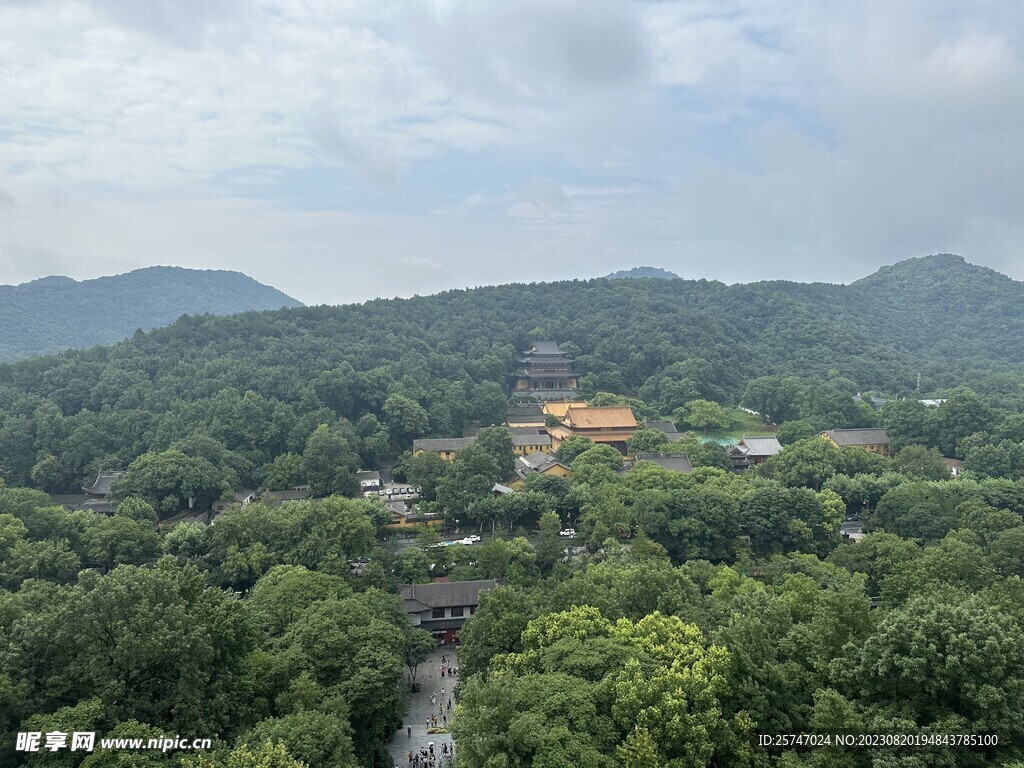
{"x": 466, "y": 205}
{"x": 740, "y": 139}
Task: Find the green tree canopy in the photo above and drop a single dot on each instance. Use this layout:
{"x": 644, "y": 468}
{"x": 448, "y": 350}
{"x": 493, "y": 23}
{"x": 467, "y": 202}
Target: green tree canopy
{"x": 497, "y": 443}
{"x": 473, "y": 474}
{"x": 791, "y": 431}
{"x": 330, "y": 463}
{"x": 285, "y": 471}
{"x": 704, "y": 415}
{"x": 647, "y": 441}
{"x": 572, "y": 447}
{"x": 172, "y": 481}
{"x": 921, "y": 462}
{"x": 426, "y": 470}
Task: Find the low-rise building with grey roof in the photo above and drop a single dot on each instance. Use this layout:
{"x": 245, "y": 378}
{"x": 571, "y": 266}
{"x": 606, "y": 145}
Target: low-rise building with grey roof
{"x": 874, "y": 439}
{"x": 100, "y": 506}
{"x": 101, "y": 487}
{"x": 526, "y": 415}
{"x": 751, "y": 450}
{"x": 442, "y": 608}
{"x": 244, "y": 498}
{"x": 541, "y": 463}
{"x": 445, "y": 447}
{"x": 527, "y": 430}
{"x": 523, "y": 444}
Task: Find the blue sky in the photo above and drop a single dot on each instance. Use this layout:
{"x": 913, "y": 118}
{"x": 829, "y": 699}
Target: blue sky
{"x": 342, "y": 151}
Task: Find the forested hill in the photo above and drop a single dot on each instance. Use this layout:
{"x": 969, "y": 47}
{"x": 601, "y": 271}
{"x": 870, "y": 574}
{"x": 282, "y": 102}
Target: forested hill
{"x": 387, "y": 371}
{"x": 931, "y": 311}
{"x": 947, "y": 307}
{"x": 56, "y": 313}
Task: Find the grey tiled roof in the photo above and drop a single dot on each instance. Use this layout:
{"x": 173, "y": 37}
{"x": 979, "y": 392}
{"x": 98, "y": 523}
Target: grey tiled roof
{"x": 526, "y": 430}
{"x": 663, "y": 426}
{"x": 529, "y": 408}
{"x": 538, "y": 461}
{"x": 442, "y": 444}
{"x": 679, "y": 462}
{"x": 527, "y": 413}
{"x": 760, "y": 446}
{"x": 102, "y": 506}
{"x": 445, "y": 595}
{"x": 875, "y": 436}
{"x": 544, "y": 348}
{"x": 68, "y": 499}
{"x": 103, "y": 482}
{"x": 458, "y": 443}
{"x": 532, "y": 439}
{"x": 535, "y": 459}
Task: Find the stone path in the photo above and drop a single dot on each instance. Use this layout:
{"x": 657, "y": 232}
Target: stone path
{"x": 429, "y": 677}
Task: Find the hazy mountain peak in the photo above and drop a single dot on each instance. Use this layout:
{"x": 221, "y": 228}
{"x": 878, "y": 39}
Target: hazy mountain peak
{"x": 938, "y": 267}
{"x": 51, "y": 280}
{"x": 650, "y": 272}
{"x": 56, "y": 312}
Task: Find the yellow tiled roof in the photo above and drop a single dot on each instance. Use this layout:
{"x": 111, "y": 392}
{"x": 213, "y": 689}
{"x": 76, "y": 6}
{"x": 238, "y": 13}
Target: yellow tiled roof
{"x": 614, "y": 416}
{"x": 559, "y": 407}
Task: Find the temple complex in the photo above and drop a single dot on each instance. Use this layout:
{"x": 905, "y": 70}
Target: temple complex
{"x": 546, "y": 373}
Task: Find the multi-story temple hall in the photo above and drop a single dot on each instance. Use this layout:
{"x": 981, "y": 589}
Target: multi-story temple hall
{"x": 546, "y": 373}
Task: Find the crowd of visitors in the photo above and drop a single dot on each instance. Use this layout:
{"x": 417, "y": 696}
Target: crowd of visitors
{"x": 426, "y": 757}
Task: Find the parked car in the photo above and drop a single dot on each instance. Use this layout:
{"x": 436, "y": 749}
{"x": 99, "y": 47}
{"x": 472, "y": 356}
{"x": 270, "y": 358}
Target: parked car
{"x": 419, "y": 489}
{"x": 474, "y": 538}
{"x": 467, "y": 541}
{"x": 571, "y": 532}
{"x": 382, "y": 493}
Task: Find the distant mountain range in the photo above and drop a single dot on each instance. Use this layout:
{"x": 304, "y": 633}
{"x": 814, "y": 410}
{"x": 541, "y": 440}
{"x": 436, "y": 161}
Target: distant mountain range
{"x": 655, "y": 272}
{"x": 57, "y": 313}
{"x": 936, "y": 313}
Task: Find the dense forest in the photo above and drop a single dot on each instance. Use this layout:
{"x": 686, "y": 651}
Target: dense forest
{"x": 56, "y": 313}
{"x": 246, "y": 390}
{"x": 692, "y": 614}
{"x": 667, "y": 639}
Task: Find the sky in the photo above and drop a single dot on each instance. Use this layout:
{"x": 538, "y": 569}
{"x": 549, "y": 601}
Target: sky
{"x": 341, "y": 150}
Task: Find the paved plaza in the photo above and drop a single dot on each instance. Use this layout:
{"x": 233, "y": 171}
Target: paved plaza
{"x": 420, "y": 708}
